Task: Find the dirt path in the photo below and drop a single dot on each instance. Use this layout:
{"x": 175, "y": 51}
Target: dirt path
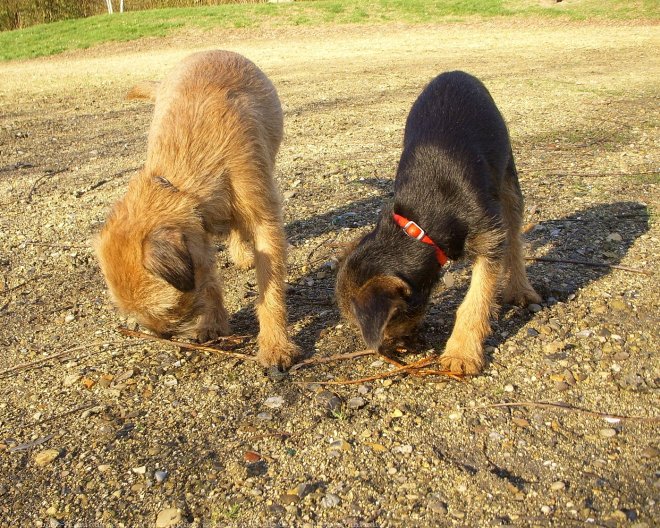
{"x": 582, "y": 105}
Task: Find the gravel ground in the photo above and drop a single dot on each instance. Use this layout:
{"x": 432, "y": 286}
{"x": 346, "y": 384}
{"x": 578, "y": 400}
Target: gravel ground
{"x": 99, "y": 429}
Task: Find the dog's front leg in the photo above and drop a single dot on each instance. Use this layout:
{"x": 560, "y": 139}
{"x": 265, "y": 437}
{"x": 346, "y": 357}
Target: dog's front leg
{"x": 464, "y": 351}
{"x": 275, "y": 348}
{"x": 214, "y": 320}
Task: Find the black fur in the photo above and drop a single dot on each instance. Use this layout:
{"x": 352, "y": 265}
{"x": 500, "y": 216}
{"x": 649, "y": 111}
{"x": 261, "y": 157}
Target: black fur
{"x": 456, "y": 155}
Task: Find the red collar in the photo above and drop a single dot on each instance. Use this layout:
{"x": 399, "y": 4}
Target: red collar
{"x": 411, "y": 229}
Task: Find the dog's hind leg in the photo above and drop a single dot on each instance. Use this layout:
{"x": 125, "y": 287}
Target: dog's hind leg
{"x": 240, "y": 248}
{"x": 518, "y": 290}
{"x": 464, "y": 350}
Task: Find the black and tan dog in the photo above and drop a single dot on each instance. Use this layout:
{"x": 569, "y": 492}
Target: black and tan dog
{"x": 456, "y": 195}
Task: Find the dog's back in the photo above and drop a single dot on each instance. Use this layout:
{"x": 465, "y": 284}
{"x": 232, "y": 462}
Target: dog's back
{"x": 456, "y": 152}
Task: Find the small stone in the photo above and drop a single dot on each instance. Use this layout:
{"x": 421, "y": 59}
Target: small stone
{"x": 456, "y": 415}
{"x": 330, "y": 401}
{"x": 45, "y": 457}
{"x": 168, "y": 517}
{"x": 340, "y": 445}
{"x": 508, "y": 388}
{"x": 71, "y": 379}
{"x": 288, "y": 498}
{"x": 568, "y": 377}
{"x": 561, "y": 386}
{"x": 650, "y": 452}
{"x": 618, "y": 305}
{"x": 274, "y": 402}
{"x": 534, "y": 308}
{"x": 69, "y": 317}
{"x": 403, "y": 449}
{"x": 289, "y": 194}
{"x": 520, "y": 422}
{"x": 438, "y": 506}
{"x": 252, "y": 456}
{"x": 161, "y": 475}
{"x": 614, "y": 237}
{"x": 170, "y": 381}
{"x": 330, "y": 500}
{"x": 356, "y": 403}
{"x": 607, "y": 432}
{"x": 264, "y": 416}
{"x": 275, "y": 374}
{"x": 141, "y": 470}
{"x": 557, "y": 486}
{"x": 397, "y": 413}
{"x": 363, "y": 389}
{"x": 546, "y": 509}
{"x": 104, "y": 468}
{"x": 376, "y": 447}
{"x": 449, "y": 279}
{"x": 532, "y": 332}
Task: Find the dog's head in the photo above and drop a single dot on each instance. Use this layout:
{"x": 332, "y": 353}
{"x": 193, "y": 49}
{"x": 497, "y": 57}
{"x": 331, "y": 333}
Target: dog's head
{"x": 373, "y": 298}
{"x": 150, "y": 272}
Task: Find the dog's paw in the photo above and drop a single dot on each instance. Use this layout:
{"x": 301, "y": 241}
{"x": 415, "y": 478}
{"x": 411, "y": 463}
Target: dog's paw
{"x": 459, "y": 364}
{"x": 209, "y": 332}
{"x": 277, "y": 354}
{"x": 521, "y": 296}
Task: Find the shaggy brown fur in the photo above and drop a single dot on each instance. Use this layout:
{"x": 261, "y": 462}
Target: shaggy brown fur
{"x": 456, "y": 179}
{"x": 216, "y": 130}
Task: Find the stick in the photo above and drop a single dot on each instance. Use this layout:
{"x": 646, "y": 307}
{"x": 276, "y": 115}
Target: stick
{"x": 67, "y": 413}
{"x": 590, "y": 263}
{"x": 567, "y": 407}
{"x": 28, "y": 198}
{"x": 192, "y": 346}
{"x": 8, "y": 290}
{"x": 339, "y": 357}
{"x": 417, "y": 364}
{"x": 37, "y": 362}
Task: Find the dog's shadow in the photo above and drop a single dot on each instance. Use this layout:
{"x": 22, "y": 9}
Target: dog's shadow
{"x": 601, "y": 233}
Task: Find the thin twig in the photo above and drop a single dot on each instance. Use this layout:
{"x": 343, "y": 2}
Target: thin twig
{"x": 66, "y": 413}
{"x": 38, "y": 362}
{"x": 571, "y": 408}
{"x": 28, "y": 281}
{"x": 591, "y": 264}
{"x": 28, "y": 198}
{"x": 330, "y": 359}
{"x": 192, "y": 346}
{"x": 405, "y": 368}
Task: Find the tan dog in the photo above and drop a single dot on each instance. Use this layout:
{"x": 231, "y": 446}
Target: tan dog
{"x": 216, "y": 130}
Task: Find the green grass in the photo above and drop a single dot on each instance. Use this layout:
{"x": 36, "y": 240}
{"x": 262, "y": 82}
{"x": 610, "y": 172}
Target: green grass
{"x": 50, "y": 39}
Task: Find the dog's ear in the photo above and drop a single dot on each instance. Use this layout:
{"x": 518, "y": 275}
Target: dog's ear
{"x": 166, "y": 255}
{"x": 375, "y": 304}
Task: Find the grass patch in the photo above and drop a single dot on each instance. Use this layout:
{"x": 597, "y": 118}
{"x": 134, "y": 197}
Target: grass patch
{"x": 50, "y": 39}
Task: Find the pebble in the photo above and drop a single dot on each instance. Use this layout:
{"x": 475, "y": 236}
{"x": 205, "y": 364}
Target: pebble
{"x": 557, "y": 486}
{"x": 329, "y": 400}
{"x": 546, "y": 509}
{"x": 71, "y": 379}
{"x": 456, "y": 415}
{"x": 607, "y": 432}
{"x": 403, "y": 449}
{"x": 170, "y": 381}
{"x": 104, "y": 467}
{"x": 289, "y": 498}
{"x": 650, "y": 452}
{"x": 532, "y": 332}
{"x": 140, "y": 470}
{"x": 274, "y": 402}
{"x": 561, "y": 386}
{"x": 397, "y": 413}
{"x": 535, "y": 308}
{"x": 568, "y": 377}
{"x": 340, "y": 445}
{"x": 252, "y": 456}
{"x": 330, "y": 500}
{"x": 508, "y": 388}
{"x": 356, "y": 403}
{"x": 264, "y": 416}
{"x": 168, "y": 517}
{"x": 275, "y": 374}
{"x": 69, "y": 317}
{"x": 438, "y": 506}
{"x": 363, "y": 389}
{"x": 161, "y": 475}
{"x": 45, "y": 457}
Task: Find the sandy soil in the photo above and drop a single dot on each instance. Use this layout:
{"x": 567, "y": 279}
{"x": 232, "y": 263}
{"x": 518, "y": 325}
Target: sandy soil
{"x": 100, "y": 428}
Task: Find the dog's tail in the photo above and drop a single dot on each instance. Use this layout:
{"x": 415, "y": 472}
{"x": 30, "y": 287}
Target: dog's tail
{"x": 143, "y": 90}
